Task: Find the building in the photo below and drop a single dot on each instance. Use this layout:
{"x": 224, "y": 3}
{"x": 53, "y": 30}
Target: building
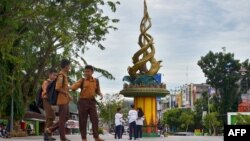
{"x": 186, "y": 95}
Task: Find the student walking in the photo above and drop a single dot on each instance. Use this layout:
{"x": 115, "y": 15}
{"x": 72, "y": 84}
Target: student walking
{"x": 63, "y": 100}
{"x": 118, "y": 124}
{"x": 139, "y": 123}
{"x": 132, "y": 116}
{"x": 49, "y": 112}
{"x": 87, "y": 103}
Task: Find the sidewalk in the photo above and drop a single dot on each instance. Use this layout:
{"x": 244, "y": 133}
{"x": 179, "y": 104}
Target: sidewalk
{"x": 109, "y": 137}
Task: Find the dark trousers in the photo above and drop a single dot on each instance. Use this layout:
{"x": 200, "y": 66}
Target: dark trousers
{"x": 87, "y": 107}
{"x": 132, "y": 129}
{"x": 63, "y": 117}
{"x": 49, "y": 113}
{"x": 139, "y": 131}
{"x": 118, "y": 131}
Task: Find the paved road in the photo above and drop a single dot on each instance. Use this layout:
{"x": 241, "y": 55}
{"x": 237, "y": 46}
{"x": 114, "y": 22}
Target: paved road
{"x": 109, "y": 137}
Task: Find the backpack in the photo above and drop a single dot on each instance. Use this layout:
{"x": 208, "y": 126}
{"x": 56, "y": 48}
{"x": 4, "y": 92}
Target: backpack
{"x": 52, "y": 94}
{"x": 39, "y": 100}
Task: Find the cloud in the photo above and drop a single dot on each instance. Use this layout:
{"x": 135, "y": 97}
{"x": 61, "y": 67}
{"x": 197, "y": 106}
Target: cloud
{"x": 183, "y": 31}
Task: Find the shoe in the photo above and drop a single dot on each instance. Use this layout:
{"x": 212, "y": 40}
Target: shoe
{"x": 47, "y": 137}
{"x": 53, "y": 138}
{"x": 98, "y": 139}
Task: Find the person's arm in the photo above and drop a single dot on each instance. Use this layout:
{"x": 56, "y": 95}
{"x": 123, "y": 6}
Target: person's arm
{"x": 98, "y": 89}
{"x": 59, "y": 85}
{"x": 121, "y": 118}
{"x": 136, "y": 114}
{"x": 44, "y": 88}
{"x": 129, "y": 114}
{"x": 143, "y": 118}
{"x": 77, "y": 85}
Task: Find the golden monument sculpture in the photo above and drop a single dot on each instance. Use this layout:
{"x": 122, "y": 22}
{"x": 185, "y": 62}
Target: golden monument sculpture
{"x": 142, "y": 83}
{"x": 147, "y": 50}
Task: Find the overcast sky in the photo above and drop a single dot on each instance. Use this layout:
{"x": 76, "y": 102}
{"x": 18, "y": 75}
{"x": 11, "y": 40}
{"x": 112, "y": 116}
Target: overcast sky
{"x": 183, "y": 31}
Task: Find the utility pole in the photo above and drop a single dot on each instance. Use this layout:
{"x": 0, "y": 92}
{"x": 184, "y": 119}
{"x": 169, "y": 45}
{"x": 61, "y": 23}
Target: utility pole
{"x": 224, "y": 49}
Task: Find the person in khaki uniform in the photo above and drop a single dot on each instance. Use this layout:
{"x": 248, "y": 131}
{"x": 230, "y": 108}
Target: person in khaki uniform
{"x": 87, "y": 103}
{"x": 63, "y": 100}
{"x": 49, "y": 112}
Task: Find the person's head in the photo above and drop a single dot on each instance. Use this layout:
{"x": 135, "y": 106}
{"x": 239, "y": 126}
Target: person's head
{"x": 65, "y": 65}
{"x": 132, "y": 106}
{"x": 140, "y": 112}
{"x": 52, "y": 74}
{"x": 88, "y": 71}
{"x": 118, "y": 110}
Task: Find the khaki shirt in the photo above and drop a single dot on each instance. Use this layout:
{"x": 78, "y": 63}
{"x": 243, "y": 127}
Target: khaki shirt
{"x": 90, "y": 88}
{"x": 62, "y": 82}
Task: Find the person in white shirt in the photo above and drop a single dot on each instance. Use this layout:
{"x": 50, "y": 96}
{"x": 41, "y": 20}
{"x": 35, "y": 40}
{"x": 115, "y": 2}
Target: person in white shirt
{"x": 118, "y": 123}
{"x": 132, "y": 116}
{"x": 139, "y": 122}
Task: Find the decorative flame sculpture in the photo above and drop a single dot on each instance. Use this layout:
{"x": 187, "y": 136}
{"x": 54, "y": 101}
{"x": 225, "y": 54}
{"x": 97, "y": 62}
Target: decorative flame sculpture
{"x": 143, "y": 83}
{"x": 147, "y": 50}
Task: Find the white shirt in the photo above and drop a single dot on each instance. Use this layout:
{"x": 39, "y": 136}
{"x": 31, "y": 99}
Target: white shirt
{"x": 132, "y": 115}
{"x": 118, "y": 119}
{"x": 139, "y": 121}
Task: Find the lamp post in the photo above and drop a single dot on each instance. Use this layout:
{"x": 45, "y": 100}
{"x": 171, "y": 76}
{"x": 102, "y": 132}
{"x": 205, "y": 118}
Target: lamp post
{"x": 243, "y": 72}
{"x": 209, "y": 98}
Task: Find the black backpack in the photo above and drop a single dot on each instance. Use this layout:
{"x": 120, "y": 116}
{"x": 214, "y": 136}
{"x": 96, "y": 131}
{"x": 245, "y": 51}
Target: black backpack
{"x": 52, "y": 94}
{"x": 39, "y": 100}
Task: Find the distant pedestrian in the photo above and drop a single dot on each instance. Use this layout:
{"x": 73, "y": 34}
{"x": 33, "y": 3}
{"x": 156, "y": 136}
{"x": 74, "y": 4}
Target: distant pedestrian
{"x": 118, "y": 124}
{"x": 132, "y": 116}
{"x": 139, "y": 122}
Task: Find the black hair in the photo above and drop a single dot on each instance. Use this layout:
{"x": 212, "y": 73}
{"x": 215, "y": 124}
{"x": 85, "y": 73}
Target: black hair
{"x": 132, "y": 106}
{"x": 89, "y": 67}
{"x": 64, "y": 63}
{"x": 118, "y": 109}
{"x": 140, "y": 113}
{"x": 51, "y": 70}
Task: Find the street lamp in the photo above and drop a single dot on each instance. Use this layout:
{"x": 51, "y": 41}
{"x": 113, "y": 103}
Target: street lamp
{"x": 209, "y": 98}
{"x": 243, "y": 71}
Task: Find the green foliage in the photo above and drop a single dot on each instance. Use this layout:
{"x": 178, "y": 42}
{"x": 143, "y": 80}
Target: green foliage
{"x": 108, "y": 109}
{"x": 36, "y": 35}
{"x": 178, "y": 119}
{"x": 187, "y": 119}
{"x": 222, "y": 72}
{"x": 212, "y": 123}
{"x": 243, "y": 119}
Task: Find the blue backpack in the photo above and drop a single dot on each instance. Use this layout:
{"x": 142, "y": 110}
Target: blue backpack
{"x": 39, "y": 100}
{"x": 52, "y": 94}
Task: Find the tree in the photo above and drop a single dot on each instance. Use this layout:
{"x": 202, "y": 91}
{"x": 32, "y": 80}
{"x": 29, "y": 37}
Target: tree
{"x": 108, "y": 108}
{"x": 212, "y": 123}
{"x": 222, "y": 72}
{"x": 36, "y": 35}
{"x": 187, "y": 119}
{"x": 172, "y": 118}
